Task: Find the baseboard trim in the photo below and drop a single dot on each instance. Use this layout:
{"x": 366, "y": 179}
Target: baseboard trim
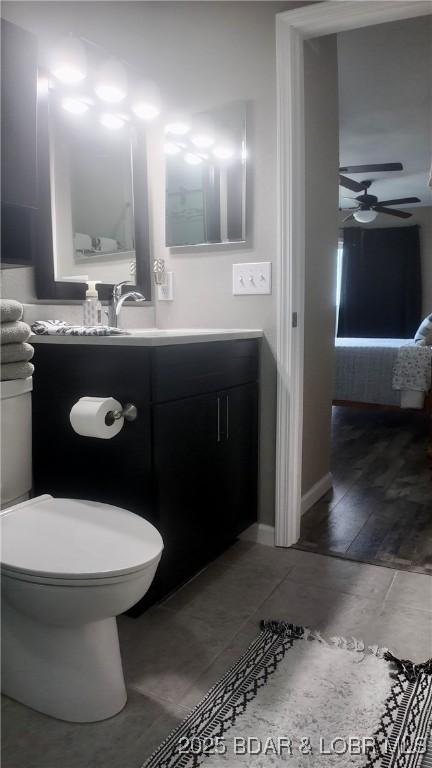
{"x": 259, "y": 533}
{"x": 316, "y": 492}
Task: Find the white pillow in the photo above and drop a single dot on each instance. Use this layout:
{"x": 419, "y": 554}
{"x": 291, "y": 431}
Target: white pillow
{"x": 423, "y": 335}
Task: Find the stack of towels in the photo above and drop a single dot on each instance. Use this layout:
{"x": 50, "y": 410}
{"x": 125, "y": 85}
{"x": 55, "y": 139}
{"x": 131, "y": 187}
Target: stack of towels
{"x": 15, "y": 352}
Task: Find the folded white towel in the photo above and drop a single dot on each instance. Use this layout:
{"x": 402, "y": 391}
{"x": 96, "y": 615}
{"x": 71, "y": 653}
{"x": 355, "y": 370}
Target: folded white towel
{"x": 60, "y": 328}
{"x": 12, "y": 371}
{"x": 10, "y": 310}
{"x": 82, "y": 242}
{"x": 16, "y": 353}
{"x": 14, "y": 333}
{"x": 106, "y": 244}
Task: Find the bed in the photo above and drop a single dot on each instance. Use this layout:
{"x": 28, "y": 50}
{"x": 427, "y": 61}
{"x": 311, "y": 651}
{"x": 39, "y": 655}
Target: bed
{"x": 364, "y": 375}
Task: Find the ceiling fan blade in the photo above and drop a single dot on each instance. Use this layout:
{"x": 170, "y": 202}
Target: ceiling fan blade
{"x": 391, "y": 212}
{"x": 401, "y": 201}
{"x": 354, "y": 186}
{"x": 372, "y": 168}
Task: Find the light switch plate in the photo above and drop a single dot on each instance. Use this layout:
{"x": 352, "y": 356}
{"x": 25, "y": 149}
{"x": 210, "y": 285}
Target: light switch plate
{"x": 165, "y": 292}
{"x": 252, "y": 278}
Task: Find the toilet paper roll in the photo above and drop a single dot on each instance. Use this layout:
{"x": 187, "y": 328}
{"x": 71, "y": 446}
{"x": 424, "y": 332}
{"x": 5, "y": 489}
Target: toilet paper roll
{"x": 88, "y": 416}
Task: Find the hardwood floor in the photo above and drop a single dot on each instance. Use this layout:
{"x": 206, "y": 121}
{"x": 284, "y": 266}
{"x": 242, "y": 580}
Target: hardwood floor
{"x": 380, "y": 508}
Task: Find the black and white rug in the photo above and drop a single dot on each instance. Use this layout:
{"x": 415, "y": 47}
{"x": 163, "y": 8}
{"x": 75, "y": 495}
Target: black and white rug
{"x": 296, "y": 698}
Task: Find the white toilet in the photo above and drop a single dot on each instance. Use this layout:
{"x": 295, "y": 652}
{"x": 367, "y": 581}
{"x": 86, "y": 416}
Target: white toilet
{"x": 68, "y": 569}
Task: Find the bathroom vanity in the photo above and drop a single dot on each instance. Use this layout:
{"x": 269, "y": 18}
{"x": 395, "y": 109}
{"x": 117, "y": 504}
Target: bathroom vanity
{"x": 188, "y": 463}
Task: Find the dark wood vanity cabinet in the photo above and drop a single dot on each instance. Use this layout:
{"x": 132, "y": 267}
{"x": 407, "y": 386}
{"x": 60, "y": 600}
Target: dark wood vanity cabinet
{"x": 206, "y": 473}
{"x": 189, "y": 462}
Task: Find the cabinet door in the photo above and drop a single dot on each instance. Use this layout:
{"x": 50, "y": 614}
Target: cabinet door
{"x": 187, "y": 462}
{"x": 240, "y": 460}
{"x": 18, "y": 134}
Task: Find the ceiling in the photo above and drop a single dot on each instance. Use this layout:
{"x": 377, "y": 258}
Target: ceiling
{"x": 385, "y": 106}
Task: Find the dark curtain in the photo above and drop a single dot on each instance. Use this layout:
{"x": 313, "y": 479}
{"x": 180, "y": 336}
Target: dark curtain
{"x": 380, "y": 283}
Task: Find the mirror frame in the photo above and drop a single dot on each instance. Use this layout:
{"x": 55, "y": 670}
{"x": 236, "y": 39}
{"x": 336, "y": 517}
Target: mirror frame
{"x": 47, "y": 287}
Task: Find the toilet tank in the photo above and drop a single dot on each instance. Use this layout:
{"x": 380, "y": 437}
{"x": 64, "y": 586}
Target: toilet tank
{"x": 15, "y": 446}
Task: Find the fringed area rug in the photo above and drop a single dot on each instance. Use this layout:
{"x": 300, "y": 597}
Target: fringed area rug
{"x": 295, "y": 698}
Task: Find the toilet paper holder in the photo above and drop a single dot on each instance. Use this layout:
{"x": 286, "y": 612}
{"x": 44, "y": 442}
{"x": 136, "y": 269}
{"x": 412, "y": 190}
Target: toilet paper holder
{"x": 129, "y": 412}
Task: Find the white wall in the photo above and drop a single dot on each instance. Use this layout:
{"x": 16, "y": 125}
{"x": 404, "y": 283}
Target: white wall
{"x": 322, "y": 154}
{"x": 202, "y": 55}
{"x": 423, "y": 217}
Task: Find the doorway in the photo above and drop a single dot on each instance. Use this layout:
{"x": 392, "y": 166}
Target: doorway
{"x": 292, "y": 29}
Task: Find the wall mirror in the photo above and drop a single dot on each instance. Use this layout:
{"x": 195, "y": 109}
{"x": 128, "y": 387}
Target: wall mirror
{"x": 93, "y": 210}
{"x": 205, "y": 195}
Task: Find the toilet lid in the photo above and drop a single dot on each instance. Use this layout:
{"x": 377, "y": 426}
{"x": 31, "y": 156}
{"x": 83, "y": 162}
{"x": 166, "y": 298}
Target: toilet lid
{"x": 70, "y": 539}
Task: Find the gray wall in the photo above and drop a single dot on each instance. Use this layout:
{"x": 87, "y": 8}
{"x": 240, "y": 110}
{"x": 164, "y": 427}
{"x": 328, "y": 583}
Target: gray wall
{"x": 423, "y": 217}
{"x": 322, "y": 162}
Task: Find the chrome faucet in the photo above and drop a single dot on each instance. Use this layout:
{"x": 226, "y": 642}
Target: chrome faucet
{"x": 117, "y": 300}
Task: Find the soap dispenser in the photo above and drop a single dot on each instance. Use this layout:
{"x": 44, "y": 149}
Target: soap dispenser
{"x": 92, "y": 309}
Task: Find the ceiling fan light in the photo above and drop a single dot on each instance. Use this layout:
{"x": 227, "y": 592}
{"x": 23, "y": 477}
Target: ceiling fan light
{"x": 365, "y": 217}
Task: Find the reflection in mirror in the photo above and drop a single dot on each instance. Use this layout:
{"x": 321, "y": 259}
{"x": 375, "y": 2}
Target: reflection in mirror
{"x": 206, "y": 178}
{"x": 91, "y": 172}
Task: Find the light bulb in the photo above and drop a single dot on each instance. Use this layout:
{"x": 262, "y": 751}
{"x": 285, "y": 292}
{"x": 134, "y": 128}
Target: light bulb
{"x": 113, "y": 122}
{"x": 223, "y": 151}
{"x": 145, "y": 111}
{"x": 365, "y": 217}
{"x": 192, "y": 159}
{"x": 74, "y": 106}
{"x": 171, "y": 149}
{"x": 111, "y": 82}
{"x": 202, "y": 133}
{"x": 69, "y": 61}
{"x": 146, "y": 103}
{"x": 178, "y": 125}
{"x": 202, "y": 140}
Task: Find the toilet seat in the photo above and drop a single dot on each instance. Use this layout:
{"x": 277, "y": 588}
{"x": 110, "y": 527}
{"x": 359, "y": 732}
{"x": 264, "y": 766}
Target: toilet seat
{"x": 66, "y": 542}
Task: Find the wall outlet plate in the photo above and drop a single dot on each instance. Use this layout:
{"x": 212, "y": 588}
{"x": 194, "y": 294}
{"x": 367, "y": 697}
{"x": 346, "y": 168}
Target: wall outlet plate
{"x": 165, "y": 292}
{"x": 252, "y": 278}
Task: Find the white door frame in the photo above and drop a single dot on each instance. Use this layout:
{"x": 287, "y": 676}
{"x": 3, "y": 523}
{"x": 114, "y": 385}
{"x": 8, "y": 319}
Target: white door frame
{"x": 292, "y": 28}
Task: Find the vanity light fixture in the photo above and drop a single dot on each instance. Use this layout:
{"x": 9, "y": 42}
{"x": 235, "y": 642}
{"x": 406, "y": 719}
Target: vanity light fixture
{"x": 202, "y": 135}
{"x": 178, "y": 125}
{"x": 74, "y": 106}
{"x": 69, "y": 61}
{"x": 171, "y": 149}
{"x": 223, "y": 151}
{"x": 202, "y": 140}
{"x": 192, "y": 159}
{"x": 111, "y": 82}
{"x": 146, "y": 105}
{"x": 110, "y": 121}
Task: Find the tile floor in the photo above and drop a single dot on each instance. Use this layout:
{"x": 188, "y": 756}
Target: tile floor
{"x": 174, "y": 653}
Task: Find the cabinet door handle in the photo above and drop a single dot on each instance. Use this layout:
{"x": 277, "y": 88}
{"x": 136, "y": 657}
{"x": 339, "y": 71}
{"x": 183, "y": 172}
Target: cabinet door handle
{"x": 218, "y": 421}
{"x": 227, "y": 417}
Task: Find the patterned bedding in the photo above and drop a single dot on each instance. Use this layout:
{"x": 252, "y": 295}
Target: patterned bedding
{"x": 364, "y": 372}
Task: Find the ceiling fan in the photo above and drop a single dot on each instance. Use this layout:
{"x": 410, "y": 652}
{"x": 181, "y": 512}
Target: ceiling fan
{"x": 368, "y": 206}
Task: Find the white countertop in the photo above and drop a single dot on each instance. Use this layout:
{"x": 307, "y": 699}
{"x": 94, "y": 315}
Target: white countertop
{"x": 154, "y": 337}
